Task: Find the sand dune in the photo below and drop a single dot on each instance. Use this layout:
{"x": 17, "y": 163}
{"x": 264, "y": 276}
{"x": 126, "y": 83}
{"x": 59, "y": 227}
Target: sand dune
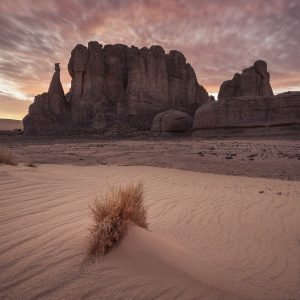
{"x": 211, "y": 236}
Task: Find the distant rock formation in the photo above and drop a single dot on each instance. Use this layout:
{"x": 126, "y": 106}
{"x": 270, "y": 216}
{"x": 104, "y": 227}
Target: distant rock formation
{"x": 254, "y": 81}
{"x": 172, "y": 121}
{"x": 115, "y": 86}
{"x": 283, "y": 109}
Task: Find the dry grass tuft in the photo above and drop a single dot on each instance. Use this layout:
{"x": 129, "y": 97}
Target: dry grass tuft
{"x": 113, "y": 214}
{"x": 31, "y": 165}
{"x": 7, "y": 159}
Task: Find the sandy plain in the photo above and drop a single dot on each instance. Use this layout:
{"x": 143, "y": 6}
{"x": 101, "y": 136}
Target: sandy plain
{"x": 268, "y": 158}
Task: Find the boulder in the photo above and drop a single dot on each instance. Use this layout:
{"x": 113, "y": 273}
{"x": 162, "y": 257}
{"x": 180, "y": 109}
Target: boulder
{"x": 115, "y": 85}
{"x": 172, "y": 121}
{"x": 254, "y": 81}
{"x": 283, "y": 109}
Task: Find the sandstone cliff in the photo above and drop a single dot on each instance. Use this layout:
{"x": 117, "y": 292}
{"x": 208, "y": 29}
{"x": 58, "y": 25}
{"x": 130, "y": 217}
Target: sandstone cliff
{"x": 254, "y": 81}
{"x": 49, "y": 111}
{"x": 283, "y": 109}
{"x": 116, "y": 85}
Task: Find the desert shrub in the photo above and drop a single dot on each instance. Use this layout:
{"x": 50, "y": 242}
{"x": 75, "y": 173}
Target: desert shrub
{"x": 7, "y": 159}
{"x": 113, "y": 214}
{"x": 31, "y": 165}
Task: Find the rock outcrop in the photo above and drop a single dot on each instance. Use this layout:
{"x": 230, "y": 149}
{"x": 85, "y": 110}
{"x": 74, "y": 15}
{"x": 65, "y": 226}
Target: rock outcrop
{"x": 116, "y": 86}
{"x": 283, "y": 109}
{"x": 49, "y": 111}
{"x": 172, "y": 121}
{"x": 254, "y": 81}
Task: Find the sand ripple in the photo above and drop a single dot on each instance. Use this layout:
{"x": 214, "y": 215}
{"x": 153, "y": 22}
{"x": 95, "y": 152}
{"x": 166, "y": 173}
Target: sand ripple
{"x": 211, "y": 236}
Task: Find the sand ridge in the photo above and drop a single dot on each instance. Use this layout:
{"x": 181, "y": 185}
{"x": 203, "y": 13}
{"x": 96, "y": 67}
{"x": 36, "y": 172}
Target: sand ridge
{"x": 222, "y": 237}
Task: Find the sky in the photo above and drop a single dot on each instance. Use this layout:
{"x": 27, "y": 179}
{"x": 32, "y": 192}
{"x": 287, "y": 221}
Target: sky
{"x": 217, "y": 37}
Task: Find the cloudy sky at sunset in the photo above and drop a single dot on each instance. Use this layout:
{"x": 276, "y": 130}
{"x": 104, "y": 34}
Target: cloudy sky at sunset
{"x": 218, "y": 38}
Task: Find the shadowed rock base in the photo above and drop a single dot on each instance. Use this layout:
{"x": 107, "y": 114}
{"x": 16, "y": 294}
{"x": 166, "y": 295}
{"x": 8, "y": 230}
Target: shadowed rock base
{"x": 282, "y": 132}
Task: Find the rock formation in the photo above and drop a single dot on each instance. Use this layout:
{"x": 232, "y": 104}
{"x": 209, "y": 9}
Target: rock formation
{"x": 283, "y": 109}
{"x": 116, "y": 86}
{"x": 254, "y": 81}
{"x": 49, "y": 111}
{"x": 172, "y": 121}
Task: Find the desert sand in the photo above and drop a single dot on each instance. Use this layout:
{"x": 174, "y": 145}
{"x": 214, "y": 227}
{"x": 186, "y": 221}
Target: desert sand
{"x": 211, "y": 236}
{"x": 264, "y": 157}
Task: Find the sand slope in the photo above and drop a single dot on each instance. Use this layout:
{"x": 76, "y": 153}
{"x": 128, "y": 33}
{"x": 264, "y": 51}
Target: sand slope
{"x": 211, "y": 236}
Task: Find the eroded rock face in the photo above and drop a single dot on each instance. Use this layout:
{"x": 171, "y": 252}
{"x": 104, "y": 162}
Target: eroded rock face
{"x": 49, "y": 111}
{"x": 282, "y": 109}
{"x": 116, "y": 86}
{"x": 129, "y": 85}
{"x": 254, "y": 81}
{"x": 172, "y": 121}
